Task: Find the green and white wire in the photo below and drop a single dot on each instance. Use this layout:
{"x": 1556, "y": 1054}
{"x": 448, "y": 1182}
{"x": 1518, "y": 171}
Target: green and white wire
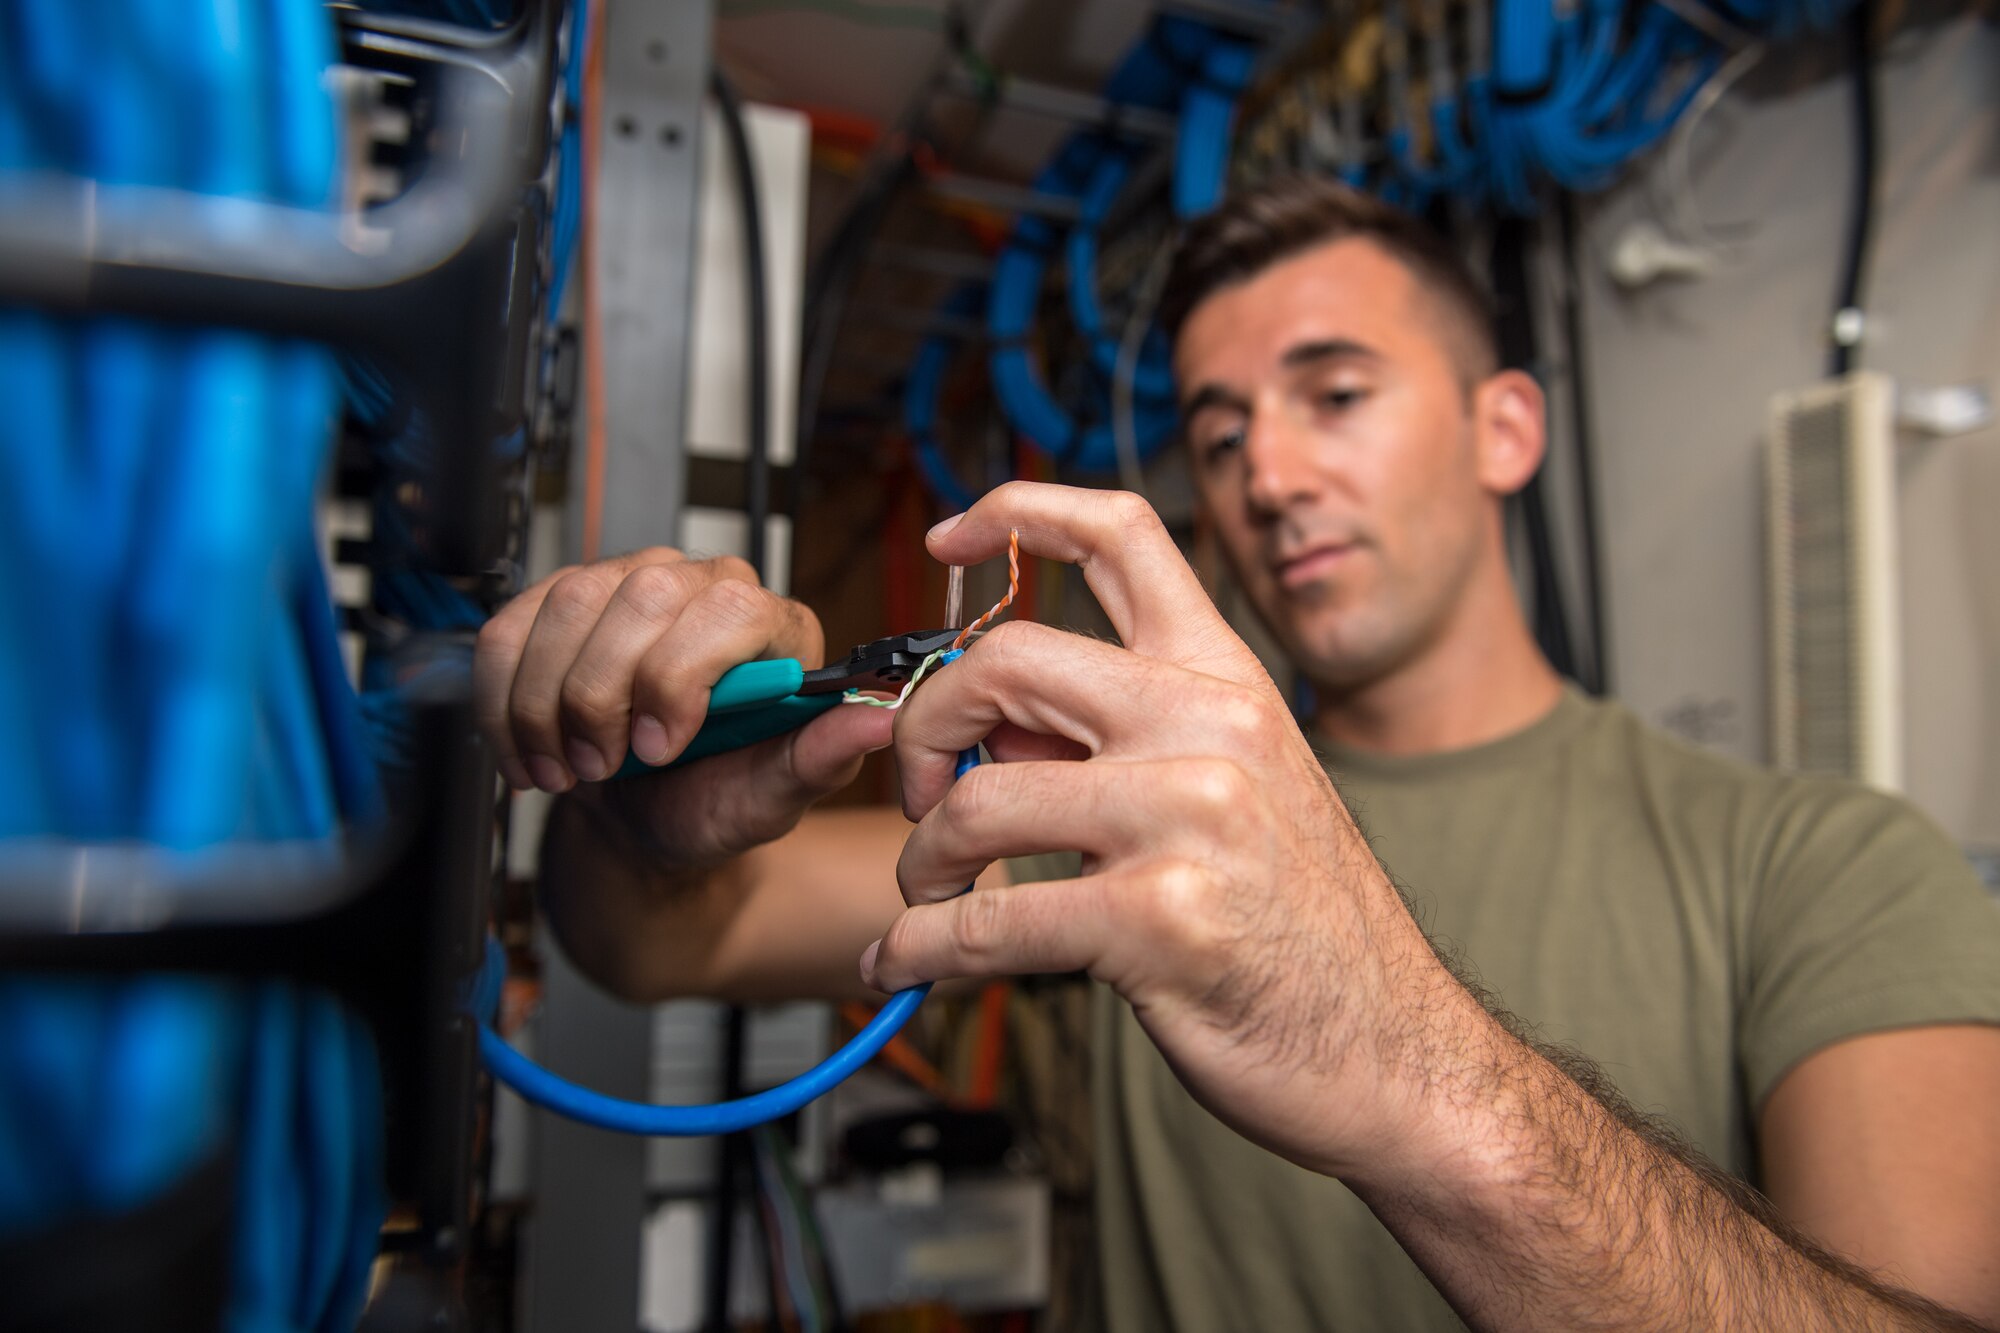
{"x": 797, "y": 1276}
{"x": 857, "y": 697}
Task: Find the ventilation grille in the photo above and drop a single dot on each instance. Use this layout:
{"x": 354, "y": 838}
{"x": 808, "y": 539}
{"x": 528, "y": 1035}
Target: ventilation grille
{"x": 1835, "y": 687}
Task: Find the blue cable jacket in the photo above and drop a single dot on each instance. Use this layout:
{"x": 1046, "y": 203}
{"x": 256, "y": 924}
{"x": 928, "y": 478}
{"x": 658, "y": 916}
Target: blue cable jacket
{"x": 553, "y": 1093}
{"x": 168, "y": 673}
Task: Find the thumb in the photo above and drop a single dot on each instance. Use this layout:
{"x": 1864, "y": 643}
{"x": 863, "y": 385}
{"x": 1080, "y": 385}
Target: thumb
{"x": 827, "y": 751}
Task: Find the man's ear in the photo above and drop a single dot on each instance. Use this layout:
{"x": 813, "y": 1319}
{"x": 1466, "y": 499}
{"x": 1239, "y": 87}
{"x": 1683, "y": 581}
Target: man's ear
{"x": 1511, "y": 431}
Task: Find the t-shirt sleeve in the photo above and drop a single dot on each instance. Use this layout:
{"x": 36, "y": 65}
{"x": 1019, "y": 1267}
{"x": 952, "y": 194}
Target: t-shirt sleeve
{"x": 1866, "y": 917}
{"x": 1044, "y": 865}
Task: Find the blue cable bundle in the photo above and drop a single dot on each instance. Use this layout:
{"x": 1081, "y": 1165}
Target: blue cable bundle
{"x": 168, "y": 673}
{"x": 1567, "y": 103}
{"x": 1178, "y": 63}
{"x": 1568, "y": 94}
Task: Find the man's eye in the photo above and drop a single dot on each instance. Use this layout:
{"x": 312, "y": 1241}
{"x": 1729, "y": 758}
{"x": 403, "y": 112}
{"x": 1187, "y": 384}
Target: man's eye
{"x": 1221, "y": 446}
{"x": 1342, "y": 399}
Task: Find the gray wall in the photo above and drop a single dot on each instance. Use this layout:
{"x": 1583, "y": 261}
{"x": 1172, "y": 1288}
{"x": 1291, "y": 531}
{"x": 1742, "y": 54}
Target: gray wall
{"x": 1682, "y": 372}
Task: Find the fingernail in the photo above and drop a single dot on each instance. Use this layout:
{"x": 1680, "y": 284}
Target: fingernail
{"x": 515, "y": 773}
{"x": 649, "y": 739}
{"x": 868, "y": 962}
{"x": 584, "y": 760}
{"x": 938, "y": 532}
{"x": 549, "y": 775}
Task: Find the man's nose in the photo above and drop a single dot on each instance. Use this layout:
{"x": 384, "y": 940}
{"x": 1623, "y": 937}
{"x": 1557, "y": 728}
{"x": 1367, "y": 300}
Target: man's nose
{"x": 1281, "y": 464}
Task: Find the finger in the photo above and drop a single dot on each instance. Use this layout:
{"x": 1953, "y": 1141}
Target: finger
{"x": 497, "y": 654}
{"x": 1009, "y": 744}
{"x": 727, "y": 803}
{"x": 730, "y": 622}
{"x": 1107, "y": 810}
{"x": 1128, "y": 558}
{"x": 827, "y": 751}
{"x": 1053, "y": 925}
{"x": 1095, "y": 695}
{"x": 570, "y": 611}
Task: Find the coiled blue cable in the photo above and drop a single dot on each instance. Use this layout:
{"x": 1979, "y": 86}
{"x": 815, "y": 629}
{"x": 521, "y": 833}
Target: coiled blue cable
{"x": 1178, "y": 63}
{"x": 554, "y": 1093}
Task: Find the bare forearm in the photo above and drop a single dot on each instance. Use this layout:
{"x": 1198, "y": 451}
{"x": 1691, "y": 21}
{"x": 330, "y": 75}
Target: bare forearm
{"x": 641, "y": 930}
{"x": 1560, "y": 1207}
{"x": 782, "y": 921}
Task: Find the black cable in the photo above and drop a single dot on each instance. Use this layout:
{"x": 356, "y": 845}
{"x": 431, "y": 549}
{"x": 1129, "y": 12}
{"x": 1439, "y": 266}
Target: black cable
{"x": 757, "y": 319}
{"x": 1515, "y": 330}
{"x": 757, "y": 509}
{"x": 1847, "y": 324}
{"x": 828, "y": 283}
{"x": 1586, "y": 455}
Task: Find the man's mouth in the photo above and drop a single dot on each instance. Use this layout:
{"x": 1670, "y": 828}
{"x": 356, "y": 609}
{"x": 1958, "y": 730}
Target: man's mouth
{"x": 1312, "y": 563}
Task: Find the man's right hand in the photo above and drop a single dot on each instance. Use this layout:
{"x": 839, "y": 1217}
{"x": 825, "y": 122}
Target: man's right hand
{"x": 620, "y": 654}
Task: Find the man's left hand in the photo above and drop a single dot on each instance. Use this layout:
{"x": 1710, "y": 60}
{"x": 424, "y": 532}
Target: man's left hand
{"x": 1226, "y": 893}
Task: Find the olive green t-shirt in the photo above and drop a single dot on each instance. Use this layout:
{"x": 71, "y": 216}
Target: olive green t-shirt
{"x": 1694, "y": 925}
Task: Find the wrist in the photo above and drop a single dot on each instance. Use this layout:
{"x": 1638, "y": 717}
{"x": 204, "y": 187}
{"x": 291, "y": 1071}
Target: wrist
{"x": 1459, "y": 1101}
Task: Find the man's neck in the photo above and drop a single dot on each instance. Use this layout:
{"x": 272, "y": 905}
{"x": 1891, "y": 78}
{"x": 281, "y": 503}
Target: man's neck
{"x": 1484, "y": 679}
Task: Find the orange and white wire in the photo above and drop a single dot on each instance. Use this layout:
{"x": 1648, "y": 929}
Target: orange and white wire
{"x": 1013, "y": 587}
{"x": 964, "y": 635}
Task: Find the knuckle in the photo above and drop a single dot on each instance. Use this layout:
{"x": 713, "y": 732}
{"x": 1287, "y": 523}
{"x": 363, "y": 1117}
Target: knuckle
{"x": 738, "y": 602}
{"x": 656, "y": 592}
{"x": 976, "y": 795}
{"x": 1216, "y": 784}
{"x": 1179, "y": 905}
{"x": 903, "y": 938}
{"x": 1012, "y": 493}
{"x": 728, "y": 568}
{"x": 579, "y": 594}
{"x": 1132, "y": 513}
{"x": 588, "y": 700}
{"x": 812, "y": 635}
{"x": 1245, "y": 719}
{"x": 977, "y": 924}
{"x": 1008, "y": 641}
{"x": 499, "y": 638}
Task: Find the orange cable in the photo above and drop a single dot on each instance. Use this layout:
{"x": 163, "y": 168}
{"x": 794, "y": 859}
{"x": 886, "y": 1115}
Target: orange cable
{"x": 992, "y": 1049}
{"x": 900, "y": 1055}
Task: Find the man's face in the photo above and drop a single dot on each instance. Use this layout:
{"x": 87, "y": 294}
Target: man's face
{"x": 1334, "y": 447}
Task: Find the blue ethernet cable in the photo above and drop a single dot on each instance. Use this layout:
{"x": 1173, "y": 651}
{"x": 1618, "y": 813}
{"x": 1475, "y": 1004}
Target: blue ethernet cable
{"x": 572, "y": 1101}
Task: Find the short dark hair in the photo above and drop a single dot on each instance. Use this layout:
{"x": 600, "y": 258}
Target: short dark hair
{"x": 1287, "y": 215}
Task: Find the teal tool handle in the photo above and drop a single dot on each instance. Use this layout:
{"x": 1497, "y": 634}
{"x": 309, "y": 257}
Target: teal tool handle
{"x": 751, "y": 703}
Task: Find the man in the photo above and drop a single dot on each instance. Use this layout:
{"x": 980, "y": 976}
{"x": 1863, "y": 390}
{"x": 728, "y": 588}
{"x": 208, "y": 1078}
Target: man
{"x": 1802, "y": 976}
